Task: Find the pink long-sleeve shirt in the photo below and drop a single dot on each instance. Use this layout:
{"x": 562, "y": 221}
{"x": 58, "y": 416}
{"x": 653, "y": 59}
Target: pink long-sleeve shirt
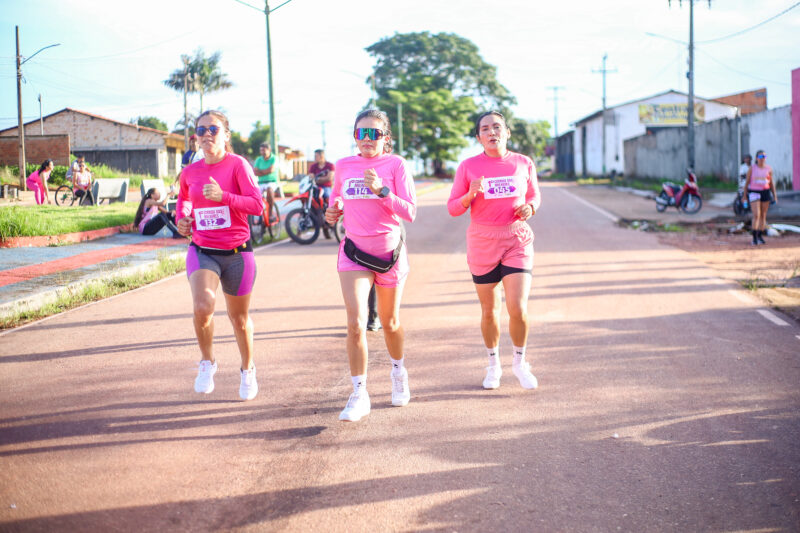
{"x": 509, "y": 182}
{"x": 373, "y": 223}
{"x": 221, "y": 225}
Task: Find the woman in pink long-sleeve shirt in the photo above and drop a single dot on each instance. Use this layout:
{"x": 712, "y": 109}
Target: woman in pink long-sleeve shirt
{"x": 500, "y": 189}
{"x": 373, "y": 190}
{"x": 216, "y": 195}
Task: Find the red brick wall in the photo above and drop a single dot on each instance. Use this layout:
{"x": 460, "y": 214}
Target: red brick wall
{"x": 37, "y": 149}
{"x": 748, "y": 102}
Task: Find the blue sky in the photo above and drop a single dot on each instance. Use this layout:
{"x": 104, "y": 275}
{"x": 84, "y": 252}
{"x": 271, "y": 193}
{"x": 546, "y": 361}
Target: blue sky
{"x": 113, "y": 56}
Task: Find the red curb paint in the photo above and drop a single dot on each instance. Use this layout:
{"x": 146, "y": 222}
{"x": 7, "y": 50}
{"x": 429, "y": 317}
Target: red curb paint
{"x": 15, "y": 275}
{"x": 78, "y": 236}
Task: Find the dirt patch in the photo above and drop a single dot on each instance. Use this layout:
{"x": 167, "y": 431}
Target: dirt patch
{"x": 771, "y": 271}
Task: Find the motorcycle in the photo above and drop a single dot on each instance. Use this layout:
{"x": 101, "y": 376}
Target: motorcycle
{"x": 303, "y": 224}
{"x": 686, "y": 198}
{"x": 741, "y": 205}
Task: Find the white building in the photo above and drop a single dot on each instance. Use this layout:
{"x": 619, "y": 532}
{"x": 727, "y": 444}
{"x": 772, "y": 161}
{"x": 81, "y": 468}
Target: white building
{"x": 631, "y": 119}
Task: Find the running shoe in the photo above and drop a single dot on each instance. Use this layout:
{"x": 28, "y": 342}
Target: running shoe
{"x": 523, "y": 373}
{"x": 358, "y": 406}
{"x": 492, "y": 379}
{"x": 400, "y": 393}
{"x": 249, "y": 386}
{"x": 204, "y": 382}
{"x": 373, "y": 323}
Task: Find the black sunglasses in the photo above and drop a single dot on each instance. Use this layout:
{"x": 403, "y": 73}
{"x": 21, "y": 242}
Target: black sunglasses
{"x": 201, "y": 130}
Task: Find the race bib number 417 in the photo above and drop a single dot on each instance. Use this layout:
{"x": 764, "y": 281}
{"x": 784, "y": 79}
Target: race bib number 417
{"x": 208, "y": 218}
{"x": 354, "y": 189}
{"x": 504, "y": 187}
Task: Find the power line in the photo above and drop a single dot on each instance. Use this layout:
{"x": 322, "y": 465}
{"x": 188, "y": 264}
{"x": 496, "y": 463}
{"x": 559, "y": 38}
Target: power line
{"x": 751, "y": 27}
{"x": 717, "y": 61}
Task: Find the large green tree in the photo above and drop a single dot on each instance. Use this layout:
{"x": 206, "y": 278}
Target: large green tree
{"x": 441, "y": 81}
{"x": 202, "y": 73}
{"x": 529, "y": 137}
{"x": 259, "y": 135}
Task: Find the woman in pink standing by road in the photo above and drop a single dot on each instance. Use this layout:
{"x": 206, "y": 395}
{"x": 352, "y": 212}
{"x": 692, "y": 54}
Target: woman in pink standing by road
{"x": 500, "y": 189}
{"x": 216, "y": 195}
{"x": 37, "y": 182}
{"x": 373, "y": 190}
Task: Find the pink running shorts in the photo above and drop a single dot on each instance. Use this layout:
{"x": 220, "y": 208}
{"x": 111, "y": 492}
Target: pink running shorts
{"x": 489, "y": 246}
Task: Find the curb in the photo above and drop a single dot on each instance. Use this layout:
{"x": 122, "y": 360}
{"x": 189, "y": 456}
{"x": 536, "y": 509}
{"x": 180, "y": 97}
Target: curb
{"x": 64, "y": 238}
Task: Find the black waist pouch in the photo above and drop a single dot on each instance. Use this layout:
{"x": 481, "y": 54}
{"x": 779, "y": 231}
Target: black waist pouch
{"x": 373, "y": 263}
{"x": 246, "y": 247}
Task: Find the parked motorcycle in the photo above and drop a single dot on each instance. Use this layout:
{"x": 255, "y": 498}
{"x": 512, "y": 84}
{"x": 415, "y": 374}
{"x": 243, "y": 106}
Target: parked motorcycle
{"x": 686, "y": 198}
{"x": 303, "y": 224}
{"x": 741, "y": 205}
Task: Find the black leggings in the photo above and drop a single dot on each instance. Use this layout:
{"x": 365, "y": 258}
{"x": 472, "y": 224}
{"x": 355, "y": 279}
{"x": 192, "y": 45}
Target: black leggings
{"x": 155, "y": 224}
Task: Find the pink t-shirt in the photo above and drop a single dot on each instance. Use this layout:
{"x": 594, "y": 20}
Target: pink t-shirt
{"x": 151, "y": 212}
{"x": 509, "y": 182}
{"x": 371, "y": 222}
{"x": 759, "y": 178}
{"x": 221, "y": 225}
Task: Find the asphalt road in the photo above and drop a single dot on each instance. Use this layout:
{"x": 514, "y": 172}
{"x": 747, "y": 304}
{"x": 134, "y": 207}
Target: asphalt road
{"x": 668, "y": 401}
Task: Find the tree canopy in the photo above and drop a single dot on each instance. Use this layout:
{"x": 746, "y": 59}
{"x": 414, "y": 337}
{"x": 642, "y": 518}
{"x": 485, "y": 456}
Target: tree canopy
{"x": 203, "y": 75}
{"x": 443, "y": 83}
{"x": 150, "y": 122}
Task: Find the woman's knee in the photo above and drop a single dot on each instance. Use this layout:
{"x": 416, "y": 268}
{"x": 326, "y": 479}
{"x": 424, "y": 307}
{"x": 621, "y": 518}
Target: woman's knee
{"x": 356, "y": 328}
{"x": 239, "y": 321}
{"x": 204, "y": 307}
{"x": 518, "y": 313}
{"x": 390, "y": 324}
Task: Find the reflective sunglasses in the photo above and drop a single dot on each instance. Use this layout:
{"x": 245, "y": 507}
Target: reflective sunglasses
{"x": 201, "y": 130}
{"x": 373, "y": 134}
{"x": 761, "y": 156}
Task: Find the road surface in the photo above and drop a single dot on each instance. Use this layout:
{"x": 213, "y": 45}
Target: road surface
{"x": 668, "y": 401}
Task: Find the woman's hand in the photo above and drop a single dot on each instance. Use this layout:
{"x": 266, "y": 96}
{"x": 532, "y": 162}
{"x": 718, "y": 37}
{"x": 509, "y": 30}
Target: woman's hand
{"x": 372, "y": 181}
{"x": 185, "y": 226}
{"x": 475, "y": 186}
{"x": 212, "y": 191}
{"x": 332, "y": 214}
{"x": 524, "y": 212}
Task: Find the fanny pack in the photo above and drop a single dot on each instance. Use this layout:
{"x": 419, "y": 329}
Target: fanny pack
{"x": 373, "y": 263}
{"x": 246, "y": 247}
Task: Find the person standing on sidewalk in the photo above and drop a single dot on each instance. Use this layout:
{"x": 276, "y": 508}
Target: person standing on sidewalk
{"x": 760, "y": 185}
{"x": 216, "y": 195}
{"x": 500, "y": 189}
{"x": 37, "y": 182}
{"x": 373, "y": 190}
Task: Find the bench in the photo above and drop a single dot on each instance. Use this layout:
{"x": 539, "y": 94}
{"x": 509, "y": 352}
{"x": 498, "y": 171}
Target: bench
{"x": 113, "y": 190}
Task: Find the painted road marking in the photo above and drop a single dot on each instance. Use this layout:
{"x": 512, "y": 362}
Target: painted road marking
{"x": 772, "y": 317}
{"x": 612, "y": 218}
{"x": 741, "y": 297}
{"x": 15, "y": 275}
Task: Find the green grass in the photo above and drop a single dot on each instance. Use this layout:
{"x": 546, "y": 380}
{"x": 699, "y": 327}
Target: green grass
{"x": 36, "y": 220}
{"x": 97, "y": 290}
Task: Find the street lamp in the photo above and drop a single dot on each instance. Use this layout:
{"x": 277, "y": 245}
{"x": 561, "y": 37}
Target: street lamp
{"x": 21, "y": 130}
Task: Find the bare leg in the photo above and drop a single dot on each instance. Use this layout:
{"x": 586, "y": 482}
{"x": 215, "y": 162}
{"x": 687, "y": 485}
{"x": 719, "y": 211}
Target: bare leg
{"x": 239, "y": 314}
{"x": 489, "y": 297}
{"x": 204, "y": 285}
{"x": 517, "y": 287}
{"x": 389, "y": 313}
{"x": 763, "y": 216}
{"x": 355, "y": 290}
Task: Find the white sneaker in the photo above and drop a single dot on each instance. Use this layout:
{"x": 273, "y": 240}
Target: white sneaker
{"x": 357, "y": 407}
{"x": 523, "y": 373}
{"x": 249, "y": 386}
{"x": 400, "y": 392}
{"x": 204, "y": 382}
{"x": 492, "y": 379}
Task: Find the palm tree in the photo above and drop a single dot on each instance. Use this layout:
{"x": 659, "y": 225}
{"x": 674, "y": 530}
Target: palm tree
{"x": 201, "y": 75}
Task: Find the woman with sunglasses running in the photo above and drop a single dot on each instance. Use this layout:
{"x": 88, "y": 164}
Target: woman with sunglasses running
{"x": 759, "y": 185}
{"x": 216, "y": 195}
{"x": 374, "y": 190}
{"x": 500, "y": 189}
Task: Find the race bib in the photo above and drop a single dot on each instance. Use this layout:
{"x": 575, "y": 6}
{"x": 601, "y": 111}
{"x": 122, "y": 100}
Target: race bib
{"x": 354, "y": 189}
{"x": 208, "y": 218}
{"x": 504, "y": 187}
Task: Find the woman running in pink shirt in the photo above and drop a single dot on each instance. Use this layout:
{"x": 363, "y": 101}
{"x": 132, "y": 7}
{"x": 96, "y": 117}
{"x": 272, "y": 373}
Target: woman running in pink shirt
{"x": 216, "y": 195}
{"x": 373, "y": 190}
{"x": 501, "y": 191}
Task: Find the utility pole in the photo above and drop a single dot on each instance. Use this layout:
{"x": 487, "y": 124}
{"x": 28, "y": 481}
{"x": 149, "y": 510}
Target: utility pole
{"x": 20, "y": 129}
{"x": 555, "y": 109}
{"x": 269, "y": 76}
{"x": 185, "y": 112}
{"x": 41, "y": 120}
{"x": 324, "y": 144}
{"x": 604, "y": 70}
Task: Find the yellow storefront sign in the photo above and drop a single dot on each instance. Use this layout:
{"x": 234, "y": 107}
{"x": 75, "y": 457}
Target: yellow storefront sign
{"x": 669, "y": 114}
